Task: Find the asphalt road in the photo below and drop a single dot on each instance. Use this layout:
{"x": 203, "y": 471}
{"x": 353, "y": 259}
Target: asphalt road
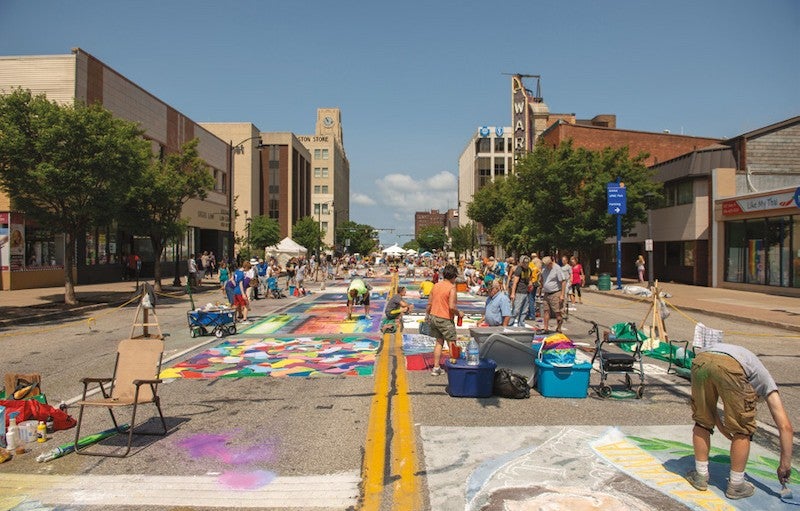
{"x": 318, "y": 426}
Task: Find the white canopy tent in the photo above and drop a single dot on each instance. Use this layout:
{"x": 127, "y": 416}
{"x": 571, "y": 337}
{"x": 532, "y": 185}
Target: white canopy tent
{"x": 411, "y": 252}
{"x": 285, "y": 250}
{"x": 393, "y": 251}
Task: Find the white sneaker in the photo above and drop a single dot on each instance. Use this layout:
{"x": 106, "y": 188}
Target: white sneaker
{"x": 437, "y": 371}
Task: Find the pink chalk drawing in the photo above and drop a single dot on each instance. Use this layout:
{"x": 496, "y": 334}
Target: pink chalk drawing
{"x": 246, "y": 480}
{"x": 216, "y": 446}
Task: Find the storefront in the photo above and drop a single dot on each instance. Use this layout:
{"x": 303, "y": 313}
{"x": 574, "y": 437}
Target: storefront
{"x": 759, "y": 241}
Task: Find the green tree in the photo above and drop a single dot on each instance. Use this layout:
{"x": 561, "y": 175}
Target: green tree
{"x": 557, "y": 199}
{"x": 156, "y": 201}
{"x": 307, "y": 233}
{"x": 463, "y": 238}
{"x": 413, "y": 244}
{"x": 68, "y": 167}
{"x": 264, "y": 232}
{"x": 432, "y": 238}
{"x": 356, "y": 238}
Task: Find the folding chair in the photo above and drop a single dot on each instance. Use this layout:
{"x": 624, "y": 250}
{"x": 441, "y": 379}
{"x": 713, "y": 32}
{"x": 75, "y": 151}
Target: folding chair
{"x": 704, "y": 337}
{"x": 135, "y": 381}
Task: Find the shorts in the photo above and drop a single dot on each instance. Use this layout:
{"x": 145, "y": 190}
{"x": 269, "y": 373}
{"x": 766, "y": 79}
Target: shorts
{"x": 239, "y": 301}
{"x": 718, "y": 376}
{"x": 442, "y": 328}
{"x": 359, "y": 300}
{"x": 553, "y": 301}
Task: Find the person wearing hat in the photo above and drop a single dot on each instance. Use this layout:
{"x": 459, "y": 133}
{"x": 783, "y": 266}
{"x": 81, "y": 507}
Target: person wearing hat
{"x": 358, "y": 293}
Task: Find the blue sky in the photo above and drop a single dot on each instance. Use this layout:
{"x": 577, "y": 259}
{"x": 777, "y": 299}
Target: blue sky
{"x": 414, "y": 79}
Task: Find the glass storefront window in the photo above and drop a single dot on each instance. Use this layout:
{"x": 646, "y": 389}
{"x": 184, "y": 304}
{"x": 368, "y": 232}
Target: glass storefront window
{"x": 101, "y": 246}
{"x": 735, "y": 251}
{"x": 763, "y": 251}
{"x": 42, "y": 247}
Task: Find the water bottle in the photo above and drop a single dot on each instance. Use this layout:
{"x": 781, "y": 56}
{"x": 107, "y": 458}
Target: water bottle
{"x": 473, "y": 353}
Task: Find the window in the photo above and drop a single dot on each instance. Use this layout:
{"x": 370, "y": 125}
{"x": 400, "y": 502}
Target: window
{"x": 499, "y": 145}
{"x": 324, "y": 154}
{"x": 317, "y": 154}
{"x": 325, "y": 208}
{"x": 688, "y": 253}
{"x": 317, "y": 188}
{"x": 324, "y": 226}
{"x": 317, "y": 172}
{"x": 316, "y": 208}
{"x": 483, "y": 145}
{"x": 484, "y": 172}
{"x": 324, "y": 171}
{"x": 499, "y": 167}
{"x": 678, "y": 193}
{"x": 324, "y": 188}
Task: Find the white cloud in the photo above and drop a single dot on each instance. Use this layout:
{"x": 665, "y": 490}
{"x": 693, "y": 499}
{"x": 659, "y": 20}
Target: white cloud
{"x": 403, "y": 192}
{"x": 362, "y": 200}
{"x": 398, "y": 196}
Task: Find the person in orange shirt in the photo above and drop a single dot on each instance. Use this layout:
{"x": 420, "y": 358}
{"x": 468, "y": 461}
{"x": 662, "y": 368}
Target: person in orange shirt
{"x": 442, "y": 307}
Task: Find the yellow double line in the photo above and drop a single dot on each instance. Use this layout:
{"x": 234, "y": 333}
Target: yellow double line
{"x": 390, "y": 435}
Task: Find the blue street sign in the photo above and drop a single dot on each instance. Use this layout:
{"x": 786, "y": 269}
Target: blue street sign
{"x": 617, "y": 199}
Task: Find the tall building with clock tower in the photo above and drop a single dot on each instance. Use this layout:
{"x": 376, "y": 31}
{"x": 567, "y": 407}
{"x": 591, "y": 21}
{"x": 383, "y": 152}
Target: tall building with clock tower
{"x": 330, "y": 175}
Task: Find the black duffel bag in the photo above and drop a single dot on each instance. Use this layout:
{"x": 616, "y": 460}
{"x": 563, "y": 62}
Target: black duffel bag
{"x": 510, "y": 384}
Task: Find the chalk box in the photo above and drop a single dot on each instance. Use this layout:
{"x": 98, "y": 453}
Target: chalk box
{"x": 571, "y": 381}
{"x": 470, "y": 381}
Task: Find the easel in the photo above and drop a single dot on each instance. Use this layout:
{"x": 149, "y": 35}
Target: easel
{"x": 658, "y": 331}
{"x": 145, "y": 322}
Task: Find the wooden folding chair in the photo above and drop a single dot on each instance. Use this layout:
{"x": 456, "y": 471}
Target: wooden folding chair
{"x": 135, "y": 381}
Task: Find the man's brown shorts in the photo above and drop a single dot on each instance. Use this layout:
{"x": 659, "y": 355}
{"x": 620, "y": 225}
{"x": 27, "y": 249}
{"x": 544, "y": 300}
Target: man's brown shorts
{"x": 718, "y": 376}
{"x": 442, "y": 328}
{"x": 553, "y": 301}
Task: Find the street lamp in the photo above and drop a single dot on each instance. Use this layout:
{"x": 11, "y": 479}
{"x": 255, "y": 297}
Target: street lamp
{"x": 237, "y": 148}
{"x": 247, "y": 221}
{"x": 648, "y": 243}
{"x": 319, "y": 225}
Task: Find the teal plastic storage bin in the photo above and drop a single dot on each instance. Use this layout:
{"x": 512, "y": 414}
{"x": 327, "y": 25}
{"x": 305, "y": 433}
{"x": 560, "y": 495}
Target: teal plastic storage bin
{"x": 470, "y": 381}
{"x": 563, "y": 381}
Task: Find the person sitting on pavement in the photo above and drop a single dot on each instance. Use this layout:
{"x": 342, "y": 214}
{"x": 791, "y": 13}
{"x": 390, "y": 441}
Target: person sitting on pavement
{"x": 425, "y": 288}
{"x": 396, "y": 306}
{"x": 358, "y": 293}
{"x": 498, "y": 306}
{"x": 738, "y": 377}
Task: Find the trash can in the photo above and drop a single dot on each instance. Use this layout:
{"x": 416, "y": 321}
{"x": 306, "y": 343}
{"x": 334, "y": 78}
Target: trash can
{"x": 604, "y": 282}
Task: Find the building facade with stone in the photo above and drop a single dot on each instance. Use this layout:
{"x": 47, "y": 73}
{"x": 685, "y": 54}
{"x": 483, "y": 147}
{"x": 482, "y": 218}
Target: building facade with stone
{"x": 37, "y": 261}
{"x": 330, "y": 178}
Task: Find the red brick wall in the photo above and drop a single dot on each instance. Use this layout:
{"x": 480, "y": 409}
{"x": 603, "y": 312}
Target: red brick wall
{"x": 660, "y": 146}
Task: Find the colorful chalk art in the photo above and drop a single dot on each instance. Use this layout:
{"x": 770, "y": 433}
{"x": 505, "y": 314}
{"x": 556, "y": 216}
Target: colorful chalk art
{"x": 303, "y": 356}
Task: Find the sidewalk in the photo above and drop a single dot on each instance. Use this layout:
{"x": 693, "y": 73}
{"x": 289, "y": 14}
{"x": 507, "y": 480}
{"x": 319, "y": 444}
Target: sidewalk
{"x": 26, "y": 306}
{"x": 32, "y": 305}
{"x": 757, "y": 308}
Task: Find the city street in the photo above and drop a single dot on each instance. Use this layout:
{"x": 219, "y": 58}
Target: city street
{"x": 327, "y": 442}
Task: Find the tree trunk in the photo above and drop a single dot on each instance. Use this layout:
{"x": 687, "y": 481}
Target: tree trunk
{"x": 158, "y": 248}
{"x": 69, "y": 262}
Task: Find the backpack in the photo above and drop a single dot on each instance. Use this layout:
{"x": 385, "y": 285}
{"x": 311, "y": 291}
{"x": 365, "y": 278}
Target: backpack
{"x": 558, "y": 351}
{"x": 511, "y": 385}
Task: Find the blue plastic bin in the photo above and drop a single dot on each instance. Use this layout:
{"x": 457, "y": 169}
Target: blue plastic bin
{"x": 571, "y": 381}
{"x": 470, "y": 381}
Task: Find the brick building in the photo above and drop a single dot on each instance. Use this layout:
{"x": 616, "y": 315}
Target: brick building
{"x": 660, "y": 146}
{"x": 424, "y": 219}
